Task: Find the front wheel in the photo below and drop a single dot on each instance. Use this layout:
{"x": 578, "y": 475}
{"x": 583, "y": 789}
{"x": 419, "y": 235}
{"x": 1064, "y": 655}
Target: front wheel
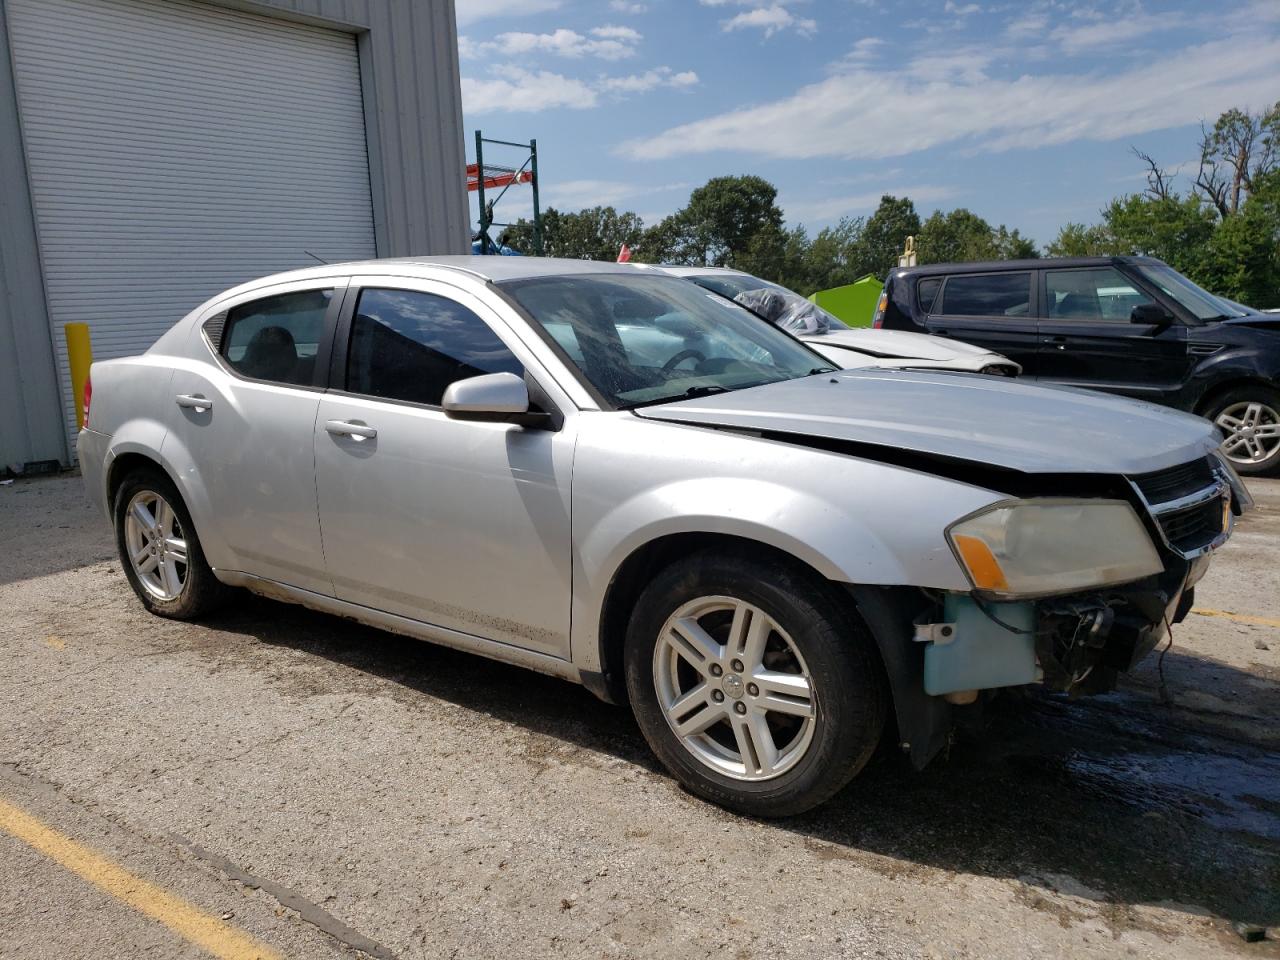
{"x": 753, "y": 683}
{"x": 1250, "y": 421}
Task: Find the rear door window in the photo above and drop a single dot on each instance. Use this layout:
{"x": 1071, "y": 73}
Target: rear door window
{"x": 987, "y": 295}
{"x": 409, "y": 345}
{"x": 1100, "y": 293}
{"x": 276, "y": 338}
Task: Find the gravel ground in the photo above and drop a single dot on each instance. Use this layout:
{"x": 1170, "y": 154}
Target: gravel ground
{"x": 329, "y": 788}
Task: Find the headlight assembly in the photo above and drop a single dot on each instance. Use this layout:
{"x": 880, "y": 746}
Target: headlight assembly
{"x": 1041, "y": 547}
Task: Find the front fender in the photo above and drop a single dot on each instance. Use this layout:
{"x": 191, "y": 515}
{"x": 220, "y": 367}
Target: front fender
{"x": 795, "y": 521}
{"x": 851, "y": 520}
{"x": 1235, "y": 363}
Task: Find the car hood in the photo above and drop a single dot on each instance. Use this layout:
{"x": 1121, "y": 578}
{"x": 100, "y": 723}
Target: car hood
{"x": 897, "y": 343}
{"x": 988, "y": 420}
{"x": 1259, "y": 321}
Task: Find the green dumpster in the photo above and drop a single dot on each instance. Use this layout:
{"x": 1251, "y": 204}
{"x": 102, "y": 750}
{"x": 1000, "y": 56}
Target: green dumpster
{"x": 854, "y": 303}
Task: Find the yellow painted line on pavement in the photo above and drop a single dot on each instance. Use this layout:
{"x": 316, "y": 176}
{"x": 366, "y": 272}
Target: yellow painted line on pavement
{"x": 202, "y": 929}
{"x": 1238, "y": 617}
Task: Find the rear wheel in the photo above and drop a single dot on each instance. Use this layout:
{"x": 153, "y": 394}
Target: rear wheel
{"x": 753, "y": 683}
{"x": 1250, "y": 421}
{"x": 160, "y": 551}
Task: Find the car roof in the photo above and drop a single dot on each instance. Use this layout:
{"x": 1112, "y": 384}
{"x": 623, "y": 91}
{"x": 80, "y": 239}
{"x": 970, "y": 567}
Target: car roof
{"x": 494, "y": 268}
{"x": 997, "y": 266}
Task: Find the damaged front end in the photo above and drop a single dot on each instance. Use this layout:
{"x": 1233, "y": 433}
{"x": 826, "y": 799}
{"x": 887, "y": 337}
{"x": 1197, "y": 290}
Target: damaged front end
{"x": 1013, "y": 629}
{"x": 1075, "y": 644}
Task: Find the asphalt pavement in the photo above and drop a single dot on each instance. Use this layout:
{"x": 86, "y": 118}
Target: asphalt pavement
{"x": 279, "y": 783}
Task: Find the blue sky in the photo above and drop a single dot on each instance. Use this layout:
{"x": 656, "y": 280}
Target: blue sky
{"x": 1022, "y": 112}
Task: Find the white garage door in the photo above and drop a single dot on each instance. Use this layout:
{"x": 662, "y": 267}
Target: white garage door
{"x": 176, "y": 149}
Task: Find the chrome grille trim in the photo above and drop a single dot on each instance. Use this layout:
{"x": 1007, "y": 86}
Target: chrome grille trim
{"x": 1179, "y": 512}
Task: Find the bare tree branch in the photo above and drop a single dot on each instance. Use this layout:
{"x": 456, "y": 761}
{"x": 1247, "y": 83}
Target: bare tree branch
{"x": 1209, "y": 178}
{"x": 1159, "y": 180}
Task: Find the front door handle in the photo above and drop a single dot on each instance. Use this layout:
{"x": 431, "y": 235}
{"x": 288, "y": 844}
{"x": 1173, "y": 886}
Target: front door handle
{"x": 194, "y": 401}
{"x": 350, "y": 428}
{"x": 1059, "y": 342}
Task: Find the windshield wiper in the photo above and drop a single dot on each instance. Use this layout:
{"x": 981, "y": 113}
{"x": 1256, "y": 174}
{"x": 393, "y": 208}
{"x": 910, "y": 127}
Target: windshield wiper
{"x": 705, "y": 390}
{"x": 817, "y": 370}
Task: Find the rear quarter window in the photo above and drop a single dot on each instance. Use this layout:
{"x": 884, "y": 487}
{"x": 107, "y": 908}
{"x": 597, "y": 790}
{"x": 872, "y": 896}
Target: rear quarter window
{"x": 927, "y": 292}
{"x": 276, "y": 338}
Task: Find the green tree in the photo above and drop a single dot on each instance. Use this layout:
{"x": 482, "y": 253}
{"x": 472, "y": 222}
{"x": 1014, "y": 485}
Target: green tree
{"x": 1011, "y": 245}
{"x": 836, "y": 256}
{"x": 885, "y": 233}
{"x": 596, "y": 233}
{"x": 1241, "y": 148}
{"x": 961, "y": 236}
{"x": 1176, "y": 230}
{"x": 1078, "y": 240}
{"x": 1242, "y": 258}
{"x": 726, "y": 219}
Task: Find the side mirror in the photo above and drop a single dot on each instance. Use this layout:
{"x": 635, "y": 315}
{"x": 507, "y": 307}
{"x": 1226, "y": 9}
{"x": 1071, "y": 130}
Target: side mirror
{"x": 1150, "y": 314}
{"x": 491, "y": 397}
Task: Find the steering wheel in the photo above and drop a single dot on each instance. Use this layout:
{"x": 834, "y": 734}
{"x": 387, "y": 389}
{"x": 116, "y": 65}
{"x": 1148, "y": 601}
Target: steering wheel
{"x": 681, "y": 357}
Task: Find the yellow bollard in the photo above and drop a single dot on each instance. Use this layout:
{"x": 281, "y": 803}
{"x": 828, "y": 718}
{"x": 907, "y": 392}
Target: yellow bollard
{"x": 79, "y": 358}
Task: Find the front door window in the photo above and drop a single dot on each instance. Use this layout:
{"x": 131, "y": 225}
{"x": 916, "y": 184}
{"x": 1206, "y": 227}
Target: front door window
{"x": 1101, "y": 293}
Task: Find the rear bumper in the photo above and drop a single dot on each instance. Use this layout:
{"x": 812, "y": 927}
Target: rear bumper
{"x": 91, "y": 450}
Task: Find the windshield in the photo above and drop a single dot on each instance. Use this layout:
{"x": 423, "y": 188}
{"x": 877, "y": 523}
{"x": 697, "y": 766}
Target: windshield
{"x": 1203, "y": 304}
{"x": 648, "y": 339}
{"x": 793, "y": 313}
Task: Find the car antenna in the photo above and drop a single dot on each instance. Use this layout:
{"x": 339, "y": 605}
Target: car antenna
{"x": 315, "y": 258}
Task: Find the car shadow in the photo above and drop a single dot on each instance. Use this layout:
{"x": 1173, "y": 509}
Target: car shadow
{"x": 1119, "y": 800}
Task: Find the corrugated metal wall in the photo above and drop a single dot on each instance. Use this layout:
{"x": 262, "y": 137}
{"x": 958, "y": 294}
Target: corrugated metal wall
{"x": 413, "y": 123}
{"x": 30, "y": 412}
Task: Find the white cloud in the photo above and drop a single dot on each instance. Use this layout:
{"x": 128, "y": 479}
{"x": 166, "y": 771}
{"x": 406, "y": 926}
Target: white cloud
{"x": 604, "y": 43}
{"x": 961, "y": 9}
{"x": 628, "y": 6}
{"x": 860, "y": 54}
{"x": 469, "y": 11}
{"x": 578, "y": 194}
{"x": 770, "y": 16}
{"x": 833, "y": 208}
{"x": 1031, "y": 24}
{"x": 865, "y": 114}
{"x": 1104, "y": 34}
{"x": 623, "y": 34}
{"x": 649, "y": 80}
{"x": 513, "y": 89}
{"x": 770, "y": 20}
{"x": 525, "y": 91}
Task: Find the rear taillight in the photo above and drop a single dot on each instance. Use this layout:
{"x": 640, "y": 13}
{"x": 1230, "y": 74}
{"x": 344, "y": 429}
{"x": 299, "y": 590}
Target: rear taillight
{"x": 878, "y": 322}
{"x": 88, "y": 395}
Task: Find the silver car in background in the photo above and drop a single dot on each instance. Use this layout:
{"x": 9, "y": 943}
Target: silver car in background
{"x": 616, "y": 477}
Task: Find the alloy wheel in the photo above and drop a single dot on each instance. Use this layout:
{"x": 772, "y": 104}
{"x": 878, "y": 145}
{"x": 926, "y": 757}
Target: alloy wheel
{"x": 1252, "y": 429}
{"x": 157, "y": 545}
{"x": 734, "y": 688}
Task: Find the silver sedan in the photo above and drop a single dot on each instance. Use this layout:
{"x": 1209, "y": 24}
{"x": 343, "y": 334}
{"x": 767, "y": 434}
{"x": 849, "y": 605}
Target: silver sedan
{"x": 621, "y": 479}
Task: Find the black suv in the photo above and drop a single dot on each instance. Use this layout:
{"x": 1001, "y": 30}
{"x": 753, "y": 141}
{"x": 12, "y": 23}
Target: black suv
{"x": 1128, "y": 325}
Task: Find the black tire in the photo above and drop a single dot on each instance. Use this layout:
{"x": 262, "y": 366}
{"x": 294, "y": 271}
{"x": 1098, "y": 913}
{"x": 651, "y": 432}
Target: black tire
{"x": 201, "y": 591}
{"x": 849, "y": 690}
{"x": 1269, "y": 400}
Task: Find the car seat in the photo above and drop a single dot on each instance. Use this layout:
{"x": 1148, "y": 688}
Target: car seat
{"x": 271, "y": 355}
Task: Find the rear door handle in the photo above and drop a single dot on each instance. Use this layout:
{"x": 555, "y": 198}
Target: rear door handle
{"x": 193, "y": 401}
{"x": 350, "y": 428}
{"x": 1059, "y": 342}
